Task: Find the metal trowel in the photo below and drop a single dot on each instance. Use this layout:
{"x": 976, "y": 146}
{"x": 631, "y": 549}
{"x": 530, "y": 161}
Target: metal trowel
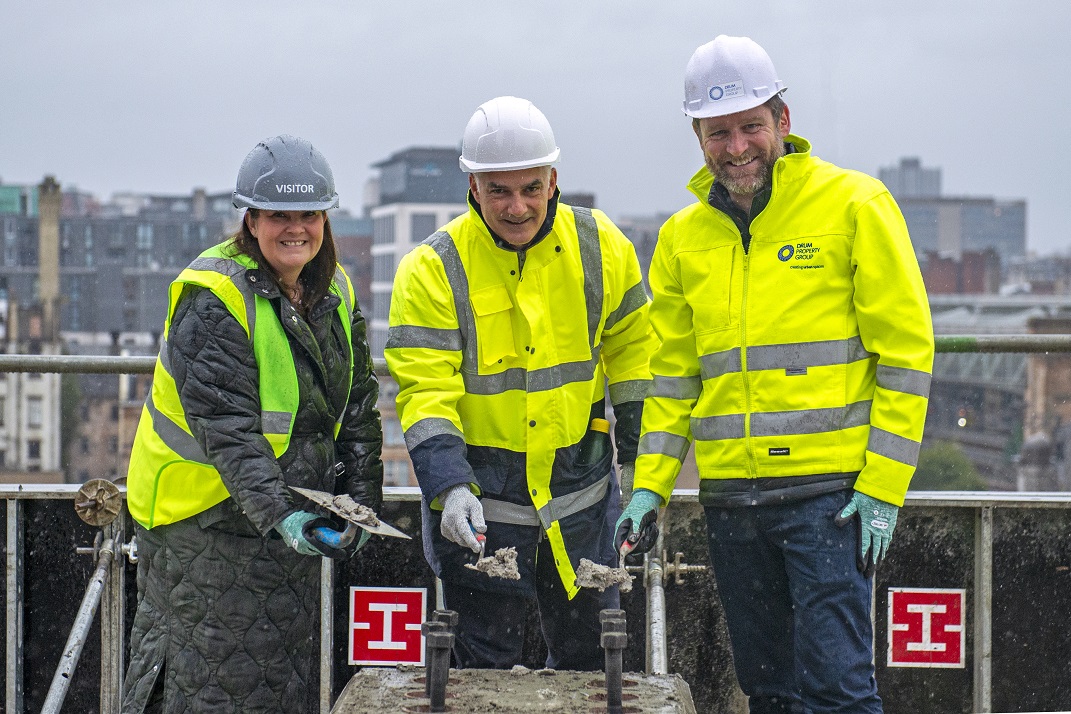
{"x": 355, "y": 515}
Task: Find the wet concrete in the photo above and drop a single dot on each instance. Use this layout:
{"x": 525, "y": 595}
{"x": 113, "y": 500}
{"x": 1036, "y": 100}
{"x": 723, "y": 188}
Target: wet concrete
{"x": 600, "y": 577}
{"x": 519, "y": 690}
{"x": 502, "y": 564}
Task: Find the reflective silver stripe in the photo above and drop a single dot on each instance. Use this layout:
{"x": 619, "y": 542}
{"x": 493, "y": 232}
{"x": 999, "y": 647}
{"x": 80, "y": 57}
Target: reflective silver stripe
{"x": 806, "y": 354}
{"x": 902, "y": 379}
{"x": 631, "y": 390}
{"x": 174, "y": 436}
{"x": 236, "y": 272}
{"x": 275, "y": 422}
{"x": 633, "y": 299}
{"x": 547, "y": 378}
{"x": 506, "y": 512}
{"x": 587, "y": 232}
{"x": 225, "y": 266}
{"x": 444, "y": 247}
{"x": 676, "y": 387}
{"x": 729, "y": 426}
{"x": 427, "y": 428}
{"x": 718, "y": 363}
{"x": 514, "y": 378}
{"x": 665, "y": 444}
{"x": 810, "y": 421}
{"x": 893, "y": 446}
{"x": 561, "y": 507}
{"x": 341, "y": 282}
{"x": 164, "y": 356}
{"x": 556, "y": 510}
{"x": 432, "y": 338}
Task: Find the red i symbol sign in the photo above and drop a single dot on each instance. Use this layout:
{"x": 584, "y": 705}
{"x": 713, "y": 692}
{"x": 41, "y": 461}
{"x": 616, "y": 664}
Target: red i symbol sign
{"x": 926, "y": 627}
{"x": 385, "y": 625}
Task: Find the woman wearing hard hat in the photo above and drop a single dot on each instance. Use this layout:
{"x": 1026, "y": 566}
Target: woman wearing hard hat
{"x": 264, "y": 381}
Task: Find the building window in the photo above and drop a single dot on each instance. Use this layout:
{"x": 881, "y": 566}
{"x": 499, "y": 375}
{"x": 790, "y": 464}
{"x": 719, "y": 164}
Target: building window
{"x": 381, "y": 306}
{"x": 83, "y": 445}
{"x": 113, "y": 444}
{"x": 423, "y": 225}
{"x": 34, "y": 417}
{"x": 115, "y": 412}
{"x": 383, "y": 230}
{"x": 383, "y": 268}
{"x": 392, "y": 433}
{"x": 3, "y": 459}
{"x": 3, "y": 412}
{"x": 33, "y": 449}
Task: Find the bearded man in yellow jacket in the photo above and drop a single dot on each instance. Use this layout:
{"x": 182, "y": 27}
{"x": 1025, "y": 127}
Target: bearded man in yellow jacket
{"x": 508, "y": 329}
{"x": 796, "y": 354}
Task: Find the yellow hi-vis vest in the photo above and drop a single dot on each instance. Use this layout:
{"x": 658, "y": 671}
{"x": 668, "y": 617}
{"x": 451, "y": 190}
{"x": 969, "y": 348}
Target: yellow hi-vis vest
{"x": 170, "y": 478}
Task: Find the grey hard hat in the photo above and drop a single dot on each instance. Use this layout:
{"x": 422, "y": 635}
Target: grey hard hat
{"x": 285, "y": 173}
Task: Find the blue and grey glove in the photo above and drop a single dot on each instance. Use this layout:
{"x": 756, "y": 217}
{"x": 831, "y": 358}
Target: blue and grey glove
{"x": 875, "y": 522}
{"x": 637, "y": 528}
{"x": 310, "y": 534}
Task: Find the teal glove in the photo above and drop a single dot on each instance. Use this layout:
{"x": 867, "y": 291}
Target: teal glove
{"x": 876, "y": 521}
{"x": 292, "y": 529}
{"x": 637, "y": 528}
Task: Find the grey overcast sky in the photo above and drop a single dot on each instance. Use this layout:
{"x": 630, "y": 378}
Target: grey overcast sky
{"x": 115, "y": 95}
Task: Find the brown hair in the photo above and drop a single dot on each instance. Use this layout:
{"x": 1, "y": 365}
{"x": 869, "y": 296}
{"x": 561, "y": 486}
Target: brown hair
{"x": 317, "y": 274}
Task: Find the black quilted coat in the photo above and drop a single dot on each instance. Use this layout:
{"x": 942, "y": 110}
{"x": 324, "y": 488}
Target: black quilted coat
{"x": 228, "y": 614}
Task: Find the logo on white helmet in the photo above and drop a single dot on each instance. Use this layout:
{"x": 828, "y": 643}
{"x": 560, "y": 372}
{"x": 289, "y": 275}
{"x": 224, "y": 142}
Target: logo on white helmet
{"x": 729, "y": 90}
{"x": 294, "y": 188}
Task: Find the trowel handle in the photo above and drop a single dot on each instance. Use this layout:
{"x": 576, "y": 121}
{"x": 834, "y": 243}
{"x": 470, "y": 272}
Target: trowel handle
{"x": 336, "y": 539}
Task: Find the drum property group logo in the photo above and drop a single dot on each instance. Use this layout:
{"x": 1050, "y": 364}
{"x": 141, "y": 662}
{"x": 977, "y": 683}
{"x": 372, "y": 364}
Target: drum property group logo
{"x": 801, "y": 254}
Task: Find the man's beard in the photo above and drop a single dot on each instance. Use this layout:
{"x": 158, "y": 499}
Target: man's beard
{"x": 748, "y": 186}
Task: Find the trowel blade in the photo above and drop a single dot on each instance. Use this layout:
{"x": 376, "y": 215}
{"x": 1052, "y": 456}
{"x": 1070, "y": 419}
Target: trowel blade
{"x": 327, "y": 500}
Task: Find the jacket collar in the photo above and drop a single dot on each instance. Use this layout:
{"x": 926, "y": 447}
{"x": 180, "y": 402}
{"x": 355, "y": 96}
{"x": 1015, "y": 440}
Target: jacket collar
{"x": 703, "y": 181}
{"x": 264, "y": 285}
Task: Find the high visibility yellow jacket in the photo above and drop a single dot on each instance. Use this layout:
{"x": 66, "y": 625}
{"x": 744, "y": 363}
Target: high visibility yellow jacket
{"x": 170, "y": 478}
{"x": 502, "y": 358}
{"x": 799, "y": 366}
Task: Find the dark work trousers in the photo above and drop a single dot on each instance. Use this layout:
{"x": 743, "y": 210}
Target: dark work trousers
{"x": 797, "y": 607}
{"x": 490, "y": 628}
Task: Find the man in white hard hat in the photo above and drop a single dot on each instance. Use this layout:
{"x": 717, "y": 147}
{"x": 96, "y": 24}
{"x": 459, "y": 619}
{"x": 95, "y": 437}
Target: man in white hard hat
{"x": 796, "y": 353}
{"x": 506, "y": 326}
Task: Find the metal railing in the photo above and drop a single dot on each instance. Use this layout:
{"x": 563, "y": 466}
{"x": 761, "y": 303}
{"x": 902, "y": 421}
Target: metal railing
{"x": 107, "y": 584}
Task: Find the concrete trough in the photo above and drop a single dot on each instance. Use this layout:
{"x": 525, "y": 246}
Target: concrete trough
{"x": 520, "y": 690}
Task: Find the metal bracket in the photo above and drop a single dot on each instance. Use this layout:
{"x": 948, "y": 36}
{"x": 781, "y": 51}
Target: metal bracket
{"x": 677, "y": 569}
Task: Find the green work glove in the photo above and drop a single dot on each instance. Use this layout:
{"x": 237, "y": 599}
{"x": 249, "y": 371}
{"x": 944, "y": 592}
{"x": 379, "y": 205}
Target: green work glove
{"x": 292, "y": 529}
{"x": 876, "y": 521}
{"x": 637, "y": 528}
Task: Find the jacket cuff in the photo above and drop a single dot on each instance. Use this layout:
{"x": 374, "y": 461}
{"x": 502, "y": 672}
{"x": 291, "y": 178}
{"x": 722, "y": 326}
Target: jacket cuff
{"x": 627, "y": 430}
{"x": 440, "y": 462}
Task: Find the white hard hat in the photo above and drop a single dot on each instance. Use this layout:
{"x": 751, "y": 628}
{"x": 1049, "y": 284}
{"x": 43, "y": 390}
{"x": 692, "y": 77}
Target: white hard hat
{"x": 507, "y": 134}
{"x": 728, "y": 75}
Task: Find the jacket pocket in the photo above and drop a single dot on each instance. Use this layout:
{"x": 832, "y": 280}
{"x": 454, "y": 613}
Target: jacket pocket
{"x": 494, "y": 327}
{"x": 707, "y": 280}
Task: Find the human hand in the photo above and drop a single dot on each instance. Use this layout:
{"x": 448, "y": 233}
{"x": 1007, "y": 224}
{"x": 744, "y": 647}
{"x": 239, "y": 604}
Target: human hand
{"x": 637, "y": 528}
{"x": 876, "y": 521}
{"x": 462, "y": 517}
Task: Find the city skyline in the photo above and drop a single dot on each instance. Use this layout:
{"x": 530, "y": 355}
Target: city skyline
{"x": 161, "y": 99}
